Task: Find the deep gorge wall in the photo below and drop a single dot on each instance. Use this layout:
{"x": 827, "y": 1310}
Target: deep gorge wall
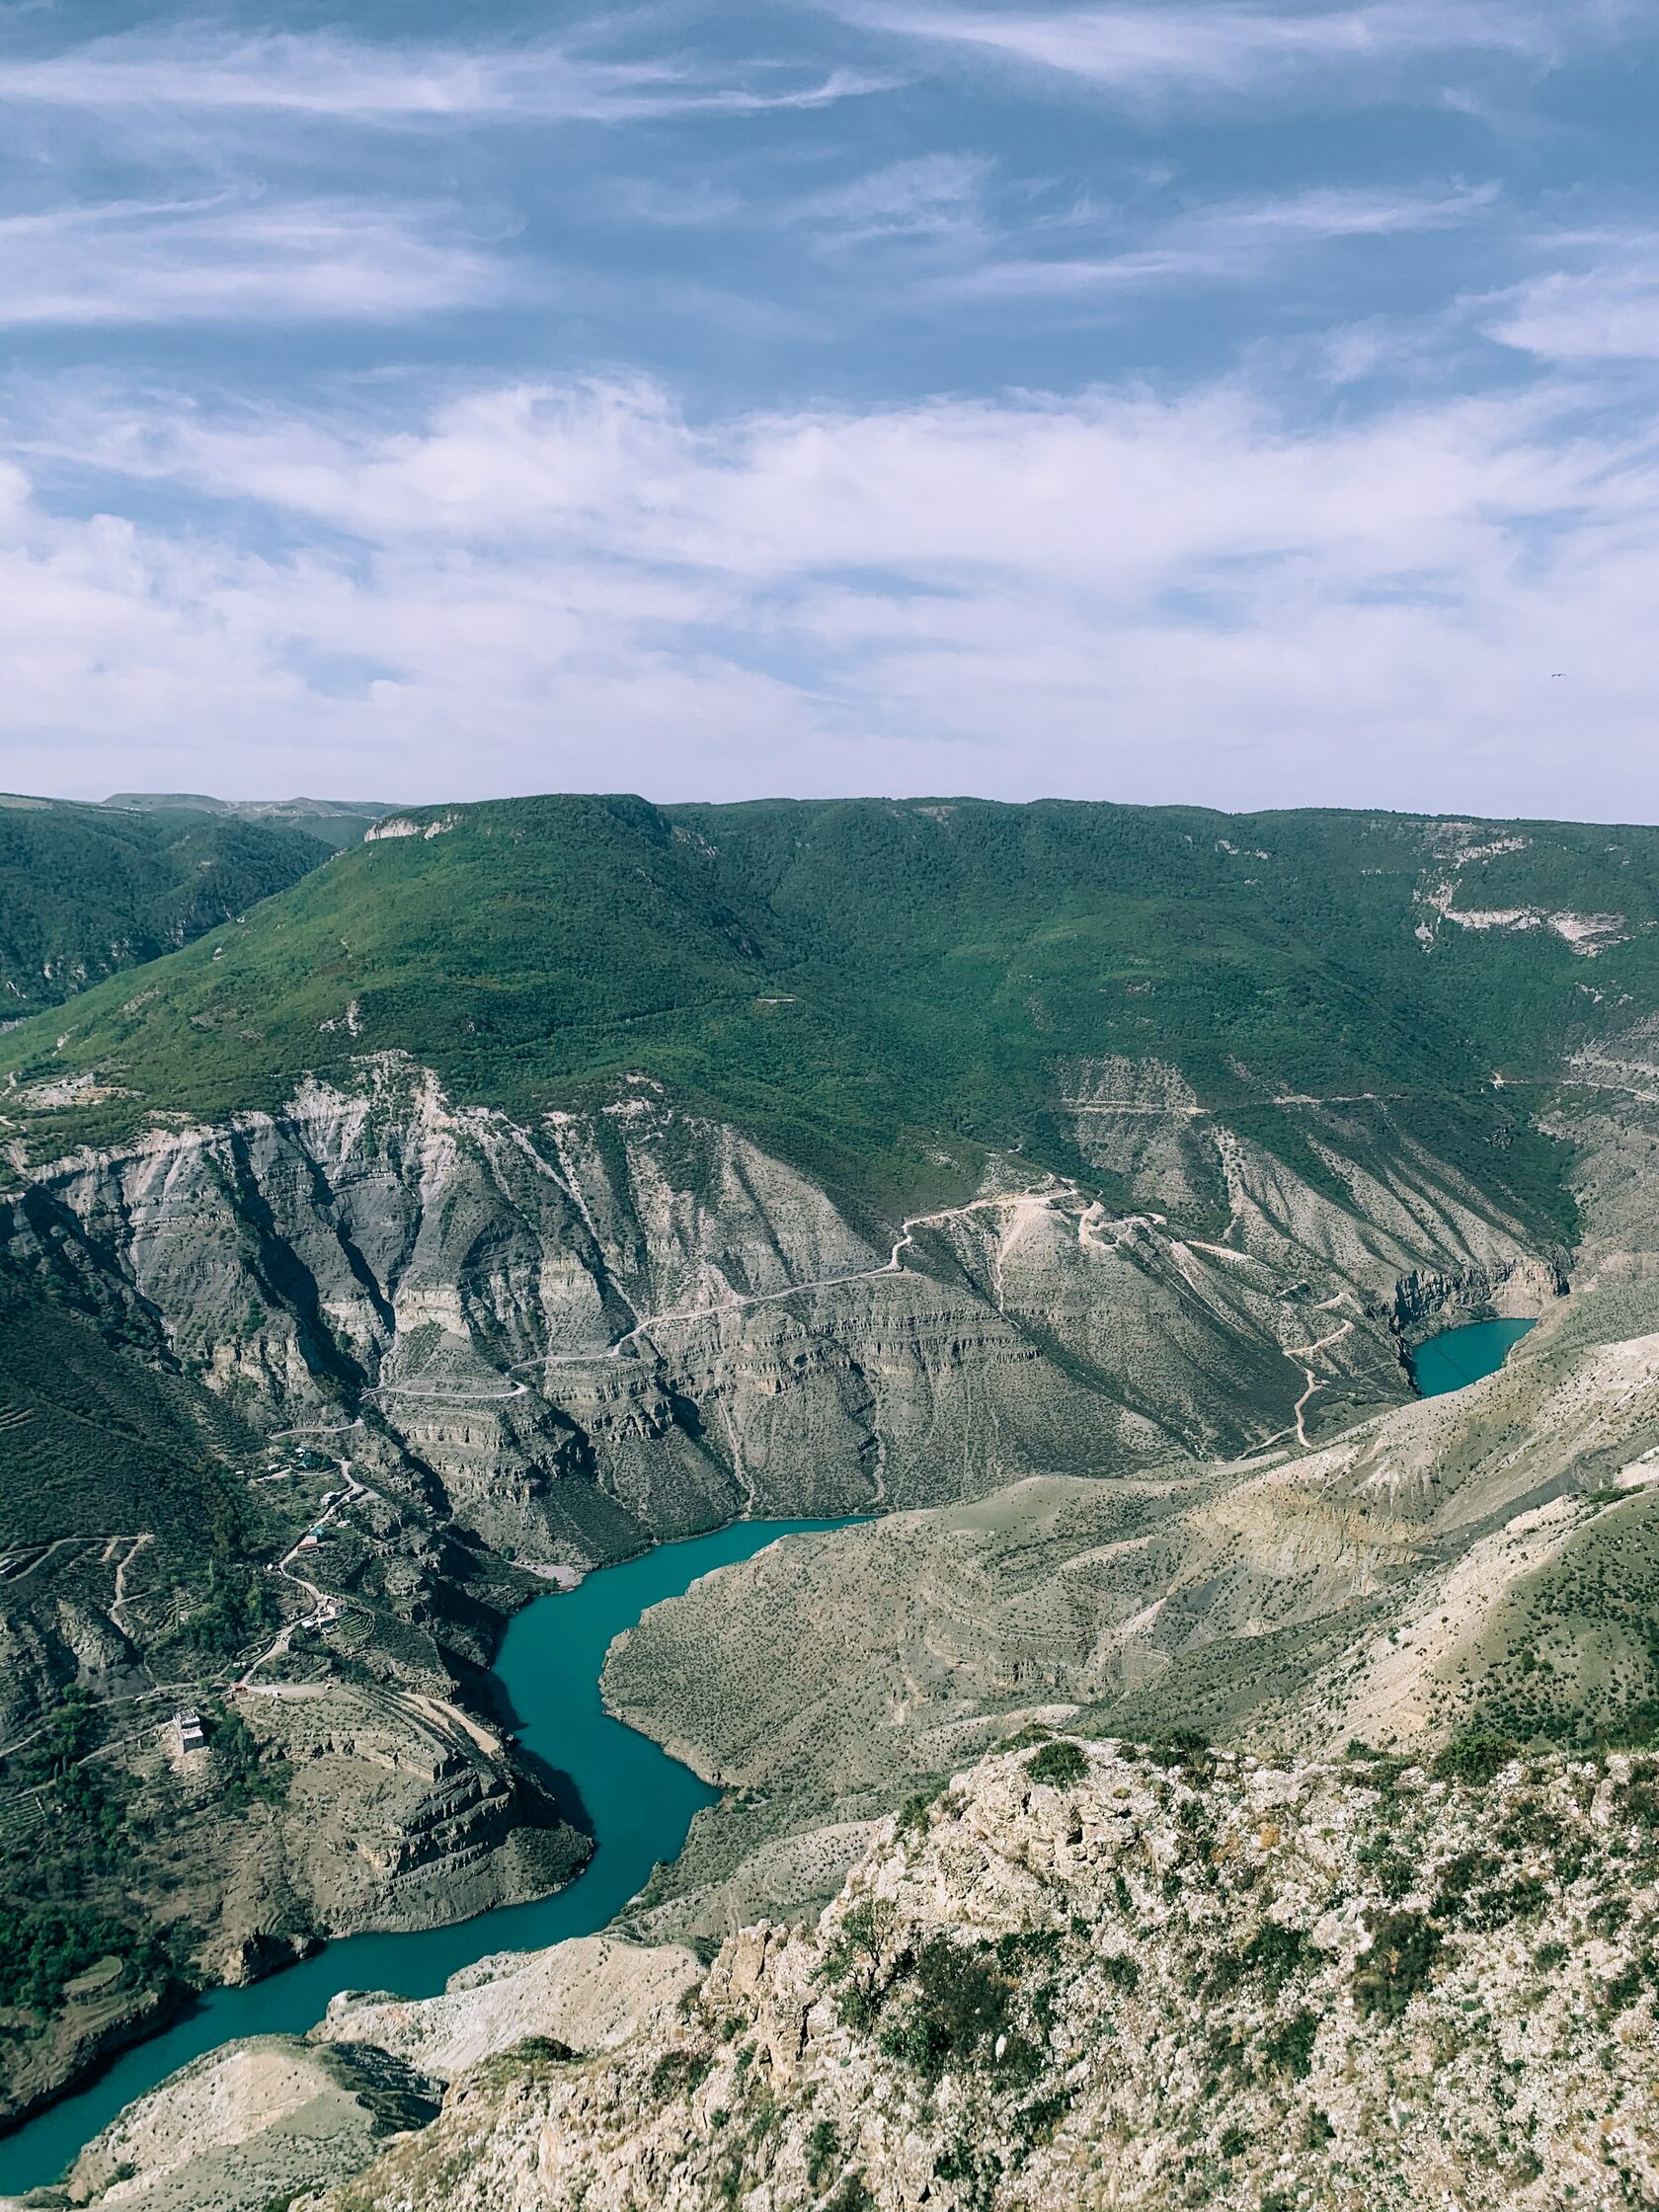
{"x": 635, "y": 1322}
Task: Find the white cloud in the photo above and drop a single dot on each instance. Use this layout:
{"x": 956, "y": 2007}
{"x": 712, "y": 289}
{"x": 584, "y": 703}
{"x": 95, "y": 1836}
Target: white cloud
{"x": 230, "y": 260}
{"x": 1214, "y": 47}
{"x": 325, "y": 76}
{"x": 1609, "y": 313}
{"x": 1232, "y": 242}
{"x": 1121, "y": 594}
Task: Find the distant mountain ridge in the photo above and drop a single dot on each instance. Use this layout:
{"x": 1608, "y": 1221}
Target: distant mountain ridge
{"x": 338, "y": 823}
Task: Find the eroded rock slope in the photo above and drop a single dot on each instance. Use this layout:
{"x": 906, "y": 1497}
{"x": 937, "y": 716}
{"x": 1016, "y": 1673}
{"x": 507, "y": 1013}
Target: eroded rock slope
{"x": 1089, "y": 1974}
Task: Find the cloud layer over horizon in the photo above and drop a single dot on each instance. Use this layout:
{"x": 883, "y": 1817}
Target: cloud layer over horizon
{"x": 1242, "y": 405}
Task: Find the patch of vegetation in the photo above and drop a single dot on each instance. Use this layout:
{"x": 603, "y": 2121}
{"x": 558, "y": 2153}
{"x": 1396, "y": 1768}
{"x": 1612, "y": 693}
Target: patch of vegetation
{"x": 679, "y": 2072}
{"x": 1028, "y": 1946}
{"x": 1474, "y": 1760}
{"x": 1290, "y": 2048}
{"x": 869, "y": 985}
{"x": 854, "y": 2195}
{"x": 1059, "y": 1764}
{"x": 1277, "y": 1952}
{"x": 246, "y": 1773}
{"x": 43, "y": 1948}
{"x": 913, "y": 1812}
{"x": 1040, "y": 2120}
{"x": 1404, "y": 1947}
{"x": 823, "y": 2153}
{"x": 855, "y": 1942}
{"x": 980, "y": 2173}
{"x": 1034, "y": 1732}
{"x": 87, "y": 891}
{"x": 1186, "y": 1748}
{"x": 961, "y": 2006}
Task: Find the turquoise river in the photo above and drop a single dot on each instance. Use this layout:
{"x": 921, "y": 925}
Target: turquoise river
{"x": 1457, "y": 1357}
{"x": 636, "y": 1801}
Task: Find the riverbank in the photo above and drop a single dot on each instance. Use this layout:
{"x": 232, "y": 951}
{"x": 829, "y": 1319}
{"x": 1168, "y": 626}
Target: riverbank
{"x": 618, "y": 1784}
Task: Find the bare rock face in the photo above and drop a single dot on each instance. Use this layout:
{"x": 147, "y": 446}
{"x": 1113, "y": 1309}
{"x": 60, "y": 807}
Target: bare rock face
{"x": 1087, "y": 1975}
{"x": 590, "y": 1993}
{"x": 633, "y": 1322}
{"x": 249, "y": 2124}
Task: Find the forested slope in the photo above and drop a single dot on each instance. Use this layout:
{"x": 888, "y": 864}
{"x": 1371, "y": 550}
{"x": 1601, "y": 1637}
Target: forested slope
{"x": 90, "y": 892}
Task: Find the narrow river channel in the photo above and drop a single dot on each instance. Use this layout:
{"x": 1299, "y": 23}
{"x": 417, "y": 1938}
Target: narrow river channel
{"x": 636, "y": 1801}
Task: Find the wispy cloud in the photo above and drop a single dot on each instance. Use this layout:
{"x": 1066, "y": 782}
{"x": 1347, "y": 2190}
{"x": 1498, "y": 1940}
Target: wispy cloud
{"x": 1212, "y": 45}
{"x": 326, "y": 77}
{"x": 933, "y": 195}
{"x": 1606, "y": 312}
{"x": 1232, "y": 242}
{"x": 227, "y": 260}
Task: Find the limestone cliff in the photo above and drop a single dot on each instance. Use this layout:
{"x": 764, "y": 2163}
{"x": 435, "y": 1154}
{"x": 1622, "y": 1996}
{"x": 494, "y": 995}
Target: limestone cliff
{"x": 633, "y": 1322}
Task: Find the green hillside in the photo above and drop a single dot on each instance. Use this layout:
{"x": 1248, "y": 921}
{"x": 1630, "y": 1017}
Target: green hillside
{"x": 869, "y": 984}
{"x": 89, "y": 891}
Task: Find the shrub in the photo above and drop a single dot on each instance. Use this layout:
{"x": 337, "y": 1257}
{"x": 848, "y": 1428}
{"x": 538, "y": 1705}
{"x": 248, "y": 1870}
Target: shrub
{"x": 1473, "y": 1760}
{"x": 1291, "y": 2050}
{"x": 1033, "y": 1732}
{"x": 1399, "y": 1962}
{"x": 913, "y": 1813}
{"x": 823, "y": 2148}
{"x": 857, "y": 1940}
{"x": 540, "y": 2050}
{"x": 1276, "y": 1952}
{"x": 1059, "y": 1764}
{"x": 678, "y": 2072}
{"x": 962, "y": 2009}
{"x": 1183, "y": 1747}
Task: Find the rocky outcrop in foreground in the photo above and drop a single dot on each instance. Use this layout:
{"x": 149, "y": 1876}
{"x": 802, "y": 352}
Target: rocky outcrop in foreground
{"x": 1091, "y": 1974}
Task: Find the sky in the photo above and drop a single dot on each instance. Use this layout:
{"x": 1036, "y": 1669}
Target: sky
{"x": 1248, "y": 403}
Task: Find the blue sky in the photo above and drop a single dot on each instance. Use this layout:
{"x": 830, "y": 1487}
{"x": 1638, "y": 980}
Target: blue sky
{"x": 1248, "y": 403}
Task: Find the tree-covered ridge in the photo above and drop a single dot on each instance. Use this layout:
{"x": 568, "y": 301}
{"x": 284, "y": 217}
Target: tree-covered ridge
{"x": 883, "y": 988}
{"x": 89, "y": 891}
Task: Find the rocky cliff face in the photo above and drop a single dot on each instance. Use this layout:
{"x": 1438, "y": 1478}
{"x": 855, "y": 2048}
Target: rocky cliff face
{"x": 1090, "y": 1973}
{"x": 1487, "y": 1558}
{"x": 633, "y": 1322}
